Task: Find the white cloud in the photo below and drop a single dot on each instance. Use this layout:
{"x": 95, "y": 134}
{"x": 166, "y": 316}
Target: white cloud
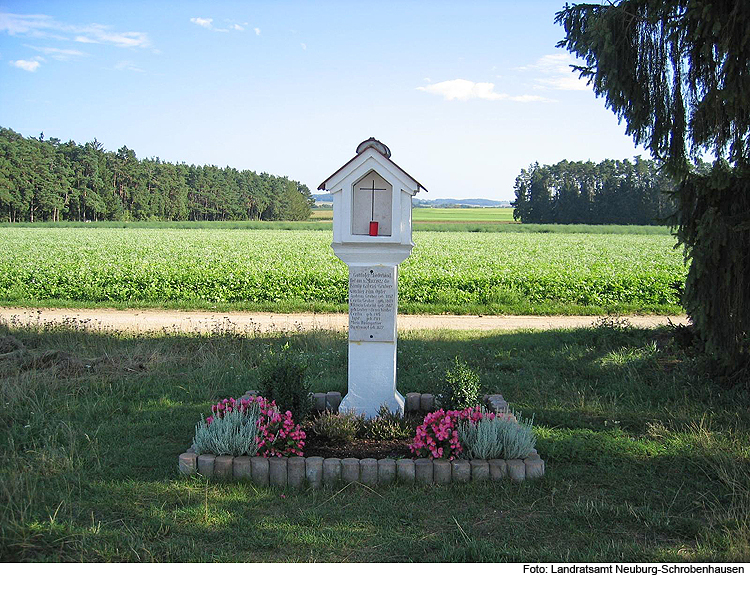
{"x": 555, "y": 72}
{"x": 127, "y": 65}
{"x": 304, "y": 46}
{"x": 463, "y": 90}
{"x": 28, "y": 65}
{"x": 57, "y": 53}
{"x": 202, "y": 22}
{"x": 257, "y": 30}
{"x": 237, "y": 27}
{"x": 42, "y": 26}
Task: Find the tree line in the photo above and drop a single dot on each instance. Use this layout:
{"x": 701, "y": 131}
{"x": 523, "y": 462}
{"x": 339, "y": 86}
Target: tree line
{"x": 48, "y": 180}
{"x": 610, "y": 192}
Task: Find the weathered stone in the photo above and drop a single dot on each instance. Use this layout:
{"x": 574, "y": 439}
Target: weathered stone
{"x": 412, "y": 402}
{"x": 498, "y": 469}
{"x": 277, "y": 474}
{"x": 441, "y": 472}
{"x": 333, "y": 400}
{"x": 427, "y": 403}
{"x": 250, "y": 394}
{"x": 386, "y": 471}
{"x": 480, "y": 470}
{"x": 350, "y": 470}
{"x": 423, "y": 471}
{"x": 516, "y": 470}
{"x": 534, "y": 468}
{"x": 405, "y": 470}
{"x": 188, "y": 463}
{"x": 242, "y": 468}
{"x": 223, "y": 467}
{"x": 461, "y": 471}
{"x": 368, "y": 471}
{"x": 260, "y": 470}
{"x": 331, "y": 471}
{"x": 206, "y": 465}
{"x": 319, "y": 401}
{"x": 295, "y": 471}
{"x": 314, "y": 471}
{"x": 532, "y": 456}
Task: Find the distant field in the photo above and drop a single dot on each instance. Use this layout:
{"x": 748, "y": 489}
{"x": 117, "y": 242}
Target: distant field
{"x": 288, "y": 270}
{"x": 440, "y": 214}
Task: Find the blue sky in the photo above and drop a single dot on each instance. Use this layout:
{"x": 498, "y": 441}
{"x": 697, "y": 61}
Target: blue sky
{"x": 464, "y": 93}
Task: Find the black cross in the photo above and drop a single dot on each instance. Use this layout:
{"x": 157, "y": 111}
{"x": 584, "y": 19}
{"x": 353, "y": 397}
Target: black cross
{"x": 373, "y": 189}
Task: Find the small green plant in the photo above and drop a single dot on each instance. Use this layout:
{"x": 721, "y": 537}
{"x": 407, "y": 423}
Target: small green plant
{"x": 501, "y": 436}
{"x": 460, "y": 387}
{"x": 283, "y": 379}
{"x": 230, "y": 433}
{"x": 390, "y": 425}
{"x": 345, "y": 426}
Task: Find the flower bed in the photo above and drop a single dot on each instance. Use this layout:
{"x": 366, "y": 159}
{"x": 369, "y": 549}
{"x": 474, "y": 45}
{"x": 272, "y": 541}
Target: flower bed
{"x": 317, "y": 471}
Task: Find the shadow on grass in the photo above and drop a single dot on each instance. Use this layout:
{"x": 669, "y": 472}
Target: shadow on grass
{"x": 630, "y": 428}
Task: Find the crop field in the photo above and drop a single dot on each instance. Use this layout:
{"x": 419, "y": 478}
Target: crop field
{"x": 444, "y": 214}
{"x": 288, "y": 270}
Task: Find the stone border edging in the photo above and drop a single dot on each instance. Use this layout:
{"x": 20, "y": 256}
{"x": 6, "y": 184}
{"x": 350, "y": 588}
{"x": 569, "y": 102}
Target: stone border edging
{"x": 317, "y": 471}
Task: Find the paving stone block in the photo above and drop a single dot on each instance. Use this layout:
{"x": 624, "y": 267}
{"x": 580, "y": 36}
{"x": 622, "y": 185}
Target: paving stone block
{"x": 331, "y": 471}
{"x": 412, "y": 402}
{"x": 319, "y": 401}
{"x": 350, "y": 470}
{"x": 480, "y": 470}
{"x": 427, "y": 403}
{"x": 405, "y": 470}
{"x": 333, "y": 400}
{"x": 461, "y": 471}
{"x": 295, "y": 472}
{"x": 498, "y": 469}
{"x": 441, "y": 471}
{"x": 423, "y": 471}
{"x": 188, "y": 463}
{"x": 386, "y": 471}
{"x": 534, "y": 468}
{"x": 532, "y": 456}
{"x": 223, "y": 467}
{"x": 368, "y": 471}
{"x": 314, "y": 471}
{"x": 260, "y": 470}
{"x": 242, "y": 468}
{"x": 277, "y": 473}
{"x": 516, "y": 470}
{"x": 206, "y": 465}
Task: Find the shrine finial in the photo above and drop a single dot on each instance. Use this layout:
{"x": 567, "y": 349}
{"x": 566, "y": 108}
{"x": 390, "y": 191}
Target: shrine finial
{"x": 373, "y": 143}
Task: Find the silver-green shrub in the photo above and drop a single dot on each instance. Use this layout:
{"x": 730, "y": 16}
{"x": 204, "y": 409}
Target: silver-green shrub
{"x": 233, "y": 434}
{"x": 499, "y": 437}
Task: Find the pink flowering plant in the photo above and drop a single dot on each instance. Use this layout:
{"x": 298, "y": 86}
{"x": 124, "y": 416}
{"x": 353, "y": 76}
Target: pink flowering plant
{"x": 437, "y": 436}
{"x": 276, "y": 433}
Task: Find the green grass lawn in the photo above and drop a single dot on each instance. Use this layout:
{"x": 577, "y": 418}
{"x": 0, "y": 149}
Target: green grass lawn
{"x": 648, "y": 459}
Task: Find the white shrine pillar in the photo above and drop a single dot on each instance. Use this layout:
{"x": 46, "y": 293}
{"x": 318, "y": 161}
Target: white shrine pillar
{"x": 372, "y": 235}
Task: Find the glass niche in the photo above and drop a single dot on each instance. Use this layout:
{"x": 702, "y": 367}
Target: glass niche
{"x": 372, "y": 206}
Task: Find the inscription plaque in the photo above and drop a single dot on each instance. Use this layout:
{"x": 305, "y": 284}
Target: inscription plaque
{"x": 372, "y": 304}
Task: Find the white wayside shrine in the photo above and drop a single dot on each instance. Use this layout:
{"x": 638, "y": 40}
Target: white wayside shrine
{"x": 372, "y": 235}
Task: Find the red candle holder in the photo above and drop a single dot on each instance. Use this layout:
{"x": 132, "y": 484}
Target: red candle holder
{"x": 373, "y": 228}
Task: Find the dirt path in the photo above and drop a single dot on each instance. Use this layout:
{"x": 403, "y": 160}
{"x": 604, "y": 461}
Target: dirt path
{"x": 142, "y": 321}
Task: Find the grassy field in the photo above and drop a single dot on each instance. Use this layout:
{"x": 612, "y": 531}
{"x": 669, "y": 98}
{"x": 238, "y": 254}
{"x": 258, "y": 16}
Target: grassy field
{"x": 648, "y": 459}
{"x": 295, "y": 270}
{"x": 443, "y": 215}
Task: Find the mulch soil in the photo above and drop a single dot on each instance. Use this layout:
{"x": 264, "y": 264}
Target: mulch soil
{"x": 315, "y": 445}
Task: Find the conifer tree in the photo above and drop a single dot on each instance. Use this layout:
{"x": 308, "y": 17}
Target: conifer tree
{"x": 678, "y": 73}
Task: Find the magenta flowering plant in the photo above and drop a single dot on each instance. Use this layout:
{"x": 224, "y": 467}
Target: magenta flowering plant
{"x": 437, "y": 436}
{"x": 278, "y": 434}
